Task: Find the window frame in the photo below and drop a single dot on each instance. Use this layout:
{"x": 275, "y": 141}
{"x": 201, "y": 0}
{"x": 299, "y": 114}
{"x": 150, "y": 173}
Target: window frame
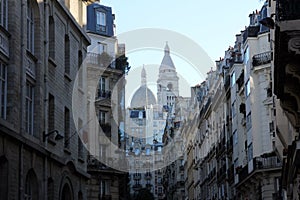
{"x": 101, "y": 23}
{"x": 4, "y": 13}
{"x": 30, "y": 26}
{"x": 233, "y": 79}
{"x": 102, "y": 117}
{"x": 67, "y": 128}
{"x": 3, "y": 90}
{"x": 29, "y": 108}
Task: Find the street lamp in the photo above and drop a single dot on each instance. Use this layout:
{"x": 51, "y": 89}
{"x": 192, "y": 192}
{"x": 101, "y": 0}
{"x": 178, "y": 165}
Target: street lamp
{"x": 57, "y": 137}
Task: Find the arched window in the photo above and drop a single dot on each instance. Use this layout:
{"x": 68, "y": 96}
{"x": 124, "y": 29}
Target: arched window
{"x": 169, "y": 87}
{"x": 30, "y": 27}
{"x": 31, "y": 186}
{"x": 66, "y": 193}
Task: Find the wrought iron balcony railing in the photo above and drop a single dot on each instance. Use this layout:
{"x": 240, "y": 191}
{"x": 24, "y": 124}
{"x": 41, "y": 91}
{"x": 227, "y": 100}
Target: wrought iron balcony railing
{"x": 104, "y": 94}
{"x": 287, "y": 10}
{"x": 262, "y": 58}
{"x": 251, "y": 31}
{"x": 148, "y": 176}
{"x": 136, "y": 176}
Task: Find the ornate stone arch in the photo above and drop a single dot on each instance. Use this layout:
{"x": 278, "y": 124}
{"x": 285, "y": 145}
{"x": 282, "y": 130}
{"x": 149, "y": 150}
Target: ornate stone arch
{"x": 66, "y": 191}
{"x": 31, "y": 186}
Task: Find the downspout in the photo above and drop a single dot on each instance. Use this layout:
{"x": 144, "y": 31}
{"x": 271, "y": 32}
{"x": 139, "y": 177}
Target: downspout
{"x": 22, "y": 108}
{"x": 46, "y": 99}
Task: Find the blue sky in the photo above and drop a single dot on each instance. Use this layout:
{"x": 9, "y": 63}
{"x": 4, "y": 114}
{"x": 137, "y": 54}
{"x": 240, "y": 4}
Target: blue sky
{"x": 211, "y": 24}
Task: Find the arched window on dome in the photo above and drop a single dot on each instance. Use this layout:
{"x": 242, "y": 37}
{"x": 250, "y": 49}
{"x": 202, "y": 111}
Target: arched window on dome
{"x": 170, "y": 87}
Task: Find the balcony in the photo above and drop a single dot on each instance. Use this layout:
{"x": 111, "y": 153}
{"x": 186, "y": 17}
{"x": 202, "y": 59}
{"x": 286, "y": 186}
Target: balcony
{"x": 137, "y": 186}
{"x": 105, "y": 94}
{"x": 180, "y": 184}
{"x": 103, "y": 60}
{"x": 266, "y": 163}
{"x": 181, "y": 168}
{"x": 148, "y": 176}
{"x": 95, "y": 164}
{"x": 251, "y": 31}
{"x": 287, "y": 10}
{"x": 136, "y": 176}
{"x": 105, "y": 197}
{"x": 4, "y": 42}
{"x": 242, "y": 172}
{"x": 262, "y": 58}
{"x": 106, "y": 128}
{"x": 259, "y": 164}
{"x": 148, "y": 186}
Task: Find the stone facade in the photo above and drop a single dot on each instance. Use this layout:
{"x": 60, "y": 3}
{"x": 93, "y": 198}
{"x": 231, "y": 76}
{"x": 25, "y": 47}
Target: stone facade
{"x": 38, "y": 40}
{"x": 235, "y": 151}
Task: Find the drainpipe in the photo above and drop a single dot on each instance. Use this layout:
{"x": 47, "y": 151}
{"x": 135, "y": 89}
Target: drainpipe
{"x": 46, "y": 99}
{"x": 22, "y": 108}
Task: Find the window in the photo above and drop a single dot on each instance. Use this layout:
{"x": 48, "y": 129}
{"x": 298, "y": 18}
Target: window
{"x": 233, "y": 109}
{"x": 30, "y": 27}
{"x": 232, "y": 79}
{"x": 3, "y": 13}
{"x": 248, "y": 88}
{"x": 3, "y": 90}
{"x": 102, "y": 87}
{"x": 102, "y": 116}
{"x": 31, "y": 186}
{"x": 102, "y": 48}
{"x": 67, "y": 55}
{"x": 250, "y": 152}
{"x": 248, "y": 122}
{"x": 246, "y": 56}
{"x": 235, "y": 137}
{"x": 80, "y": 145}
{"x": 67, "y": 127}
{"x": 80, "y": 70}
{"x": 29, "y": 108}
{"x": 101, "y": 21}
{"x": 51, "y": 38}
{"x": 51, "y": 114}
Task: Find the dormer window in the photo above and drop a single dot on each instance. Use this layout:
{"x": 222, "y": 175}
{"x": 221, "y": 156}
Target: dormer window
{"x": 101, "y": 21}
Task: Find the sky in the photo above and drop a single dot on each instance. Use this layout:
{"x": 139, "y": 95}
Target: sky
{"x": 210, "y": 24}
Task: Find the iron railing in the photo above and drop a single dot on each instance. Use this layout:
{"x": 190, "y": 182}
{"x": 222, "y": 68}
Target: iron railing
{"x": 287, "y": 10}
{"x": 262, "y": 58}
